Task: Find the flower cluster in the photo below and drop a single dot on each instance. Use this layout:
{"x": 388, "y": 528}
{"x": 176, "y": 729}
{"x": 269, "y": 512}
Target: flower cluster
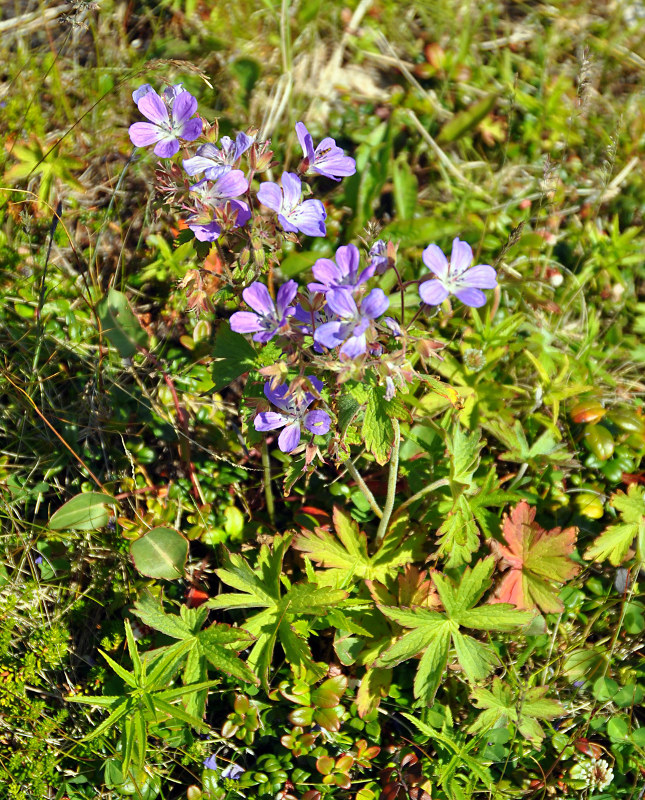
{"x": 217, "y": 206}
{"x": 336, "y": 322}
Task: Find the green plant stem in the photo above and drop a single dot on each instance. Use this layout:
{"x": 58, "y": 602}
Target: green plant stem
{"x": 421, "y": 493}
{"x": 391, "y": 484}
{"x": 364, "y": 488}
{"x": 268, "y": 491}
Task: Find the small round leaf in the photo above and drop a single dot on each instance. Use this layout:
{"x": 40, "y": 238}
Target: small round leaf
{"x": 160, "y": 553}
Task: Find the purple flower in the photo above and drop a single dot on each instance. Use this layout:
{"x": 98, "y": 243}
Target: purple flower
{"x": 269, "y": 317}
{"x": 379, "y": 258}
{"x": 354, "y": 322}
{"x": 456, "y": 277}
{"x": 212, "y": 161}
{"x": 327, "y": 159}
{"x": 293, "y": 214}
{"x": 165, "y": 128}
{"x": 219, "y": 194}
{"x": 343, "y": 273}
{"x": 233, "y": 772}
{"x": 295, "y": 414}
{"x": 210, "y": 762}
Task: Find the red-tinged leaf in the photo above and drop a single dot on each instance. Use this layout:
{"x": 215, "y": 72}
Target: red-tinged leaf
{"x": 391, "y": 791}
{"x": 537, "y": 560}
{"x": 325, "y": 764}
{"x": 588, "y": 748}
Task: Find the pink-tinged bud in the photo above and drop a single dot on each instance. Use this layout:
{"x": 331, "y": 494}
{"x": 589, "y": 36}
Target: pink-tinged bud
{"x": 427, "y": 348}
{"x": 260, "y": 161}
{"x": 526, "y": 203}
{"x": 210, "y": 132}
{"x": 310, "y": 453}
{"x": 303, "y": 166}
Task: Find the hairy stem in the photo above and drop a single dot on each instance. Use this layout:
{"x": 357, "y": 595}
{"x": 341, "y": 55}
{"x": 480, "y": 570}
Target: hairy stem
{"x": 268, "y": 491}
{"x": 364, "y": 488}
{"x": 391, "y": 484}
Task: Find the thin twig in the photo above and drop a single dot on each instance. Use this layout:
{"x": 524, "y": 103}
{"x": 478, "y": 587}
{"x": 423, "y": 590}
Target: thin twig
{"x": 391, "y": 484}
{"x": 364, "y": 488}
{"x": 421, "y": 493}
{"x": 268, "y": 491}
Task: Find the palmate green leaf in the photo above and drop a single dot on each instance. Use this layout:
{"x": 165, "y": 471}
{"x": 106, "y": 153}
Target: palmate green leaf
{"x": 546, "y": 449}
{"x": 464, "y": 450}
{"x": 433, "y": 630}
{"x": 216, "y": 645}
{"x": 503, "y": 707}
{"x": 475, "y": 658}
{"x": 458, "y": 536}
{"x": 262, "y": 588}
{"x": 346, "y": 557}
{"x": 458, "y": 752}
{"x": 614, "y": 543}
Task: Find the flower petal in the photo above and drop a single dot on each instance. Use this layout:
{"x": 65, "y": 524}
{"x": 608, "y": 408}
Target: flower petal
{"x": 317, "y": 421}
{"x": 137, "y": 94}
{"x": 291, "y": 189}
{"x": 243, "y": 212}
{"x": 355, "y": 346}
{"x": 242, "y": 144}
{"x": 306, "y": 142}
{"x": 461, "y": 257}
{"x": 231, "y": 184}
{"x": 375, "y": 304}
{"x": 206, "y": 233}
{"x": 471, "y": 297}
{"x": 270, "y": 421}
{"x": 342, "y": 303}
{"x": 286, "y": 293}
{"x": 270, "y": 195}
{"x": 287, "y": 225}
{"x": 435, "y": 260}
{"x": 245, "y": 322}
{"x": 330, "y": 334}
{"x": 144, "y": 133}
{"x": 196, "y": 164}
{"x": 166, "y": 148}
{"x": 310, "y": 218}
{"x": 183, "y": 108}
{"x": 191, "y": 129}
{"x": 327, "y": 273}
{"x": 257, "y": 296}
{"x": 315, "y": 382}
{"x": 433, "y": 292}
{"x": 279, "y": 396}
{"x": 289, "y": 439}
{"x": 347, "y": 258}
{"x": 154, "y": 108}
{"x": 479, "y": 277}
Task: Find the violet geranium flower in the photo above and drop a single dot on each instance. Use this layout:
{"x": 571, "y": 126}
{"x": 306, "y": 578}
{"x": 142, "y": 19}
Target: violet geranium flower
{"x": 170, "y": 120}
{"x": 354, "y": 322}
{"x": 343, "y": 273}
{"x": 456, "y": 277}
{"x": 215, "y": 195}
{"x": 294, "y": 214}
{"x": 327, "y": 159}
{"x": 294, "y": 414}
{"x": 379, "y": 258}
{"x": 269, "y": 317}
{"x": 212, "y": 160}
{"x": 233, "y": 772}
